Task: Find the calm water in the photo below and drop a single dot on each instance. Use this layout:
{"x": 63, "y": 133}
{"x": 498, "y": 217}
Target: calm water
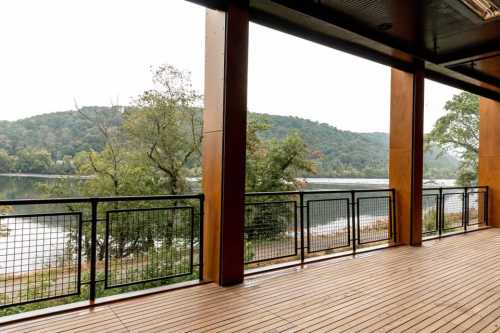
{"x": 28, "y": 186}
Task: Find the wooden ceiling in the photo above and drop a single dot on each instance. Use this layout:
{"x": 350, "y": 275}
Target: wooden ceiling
{"x": 458, "y": 47}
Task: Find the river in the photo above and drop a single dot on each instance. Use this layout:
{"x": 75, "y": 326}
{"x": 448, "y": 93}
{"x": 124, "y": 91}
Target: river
{"x": 28, "y": 186}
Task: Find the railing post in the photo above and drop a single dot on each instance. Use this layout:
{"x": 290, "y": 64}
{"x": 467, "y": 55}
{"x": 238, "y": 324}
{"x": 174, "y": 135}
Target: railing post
{"x": 486, "y": 205}
{"x": 200, "y": 238}
{"x": 302, "y": 244}
{"x": 440, "y": 212}
{"x": 466, "y": 209}
{"x": 93, "y": 252}
{"x": 353, "y": 220}
{"x": 393, "y": 215}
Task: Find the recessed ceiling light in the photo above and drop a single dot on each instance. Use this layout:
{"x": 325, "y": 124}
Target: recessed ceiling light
{"x": 486, "y": 9}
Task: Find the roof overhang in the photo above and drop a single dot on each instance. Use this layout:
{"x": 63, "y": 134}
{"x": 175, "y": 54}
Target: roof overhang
{"x": 458, "y": 46}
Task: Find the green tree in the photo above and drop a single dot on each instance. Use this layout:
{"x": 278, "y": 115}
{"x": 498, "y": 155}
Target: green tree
{"x": 34, "y": 161}
{"x": 6, "y": 162}
{"x": 117, "y": 170}
{"x": 458, "y": 131}
{"x": 274, "y": 165}
{"x": 166, "y": 126}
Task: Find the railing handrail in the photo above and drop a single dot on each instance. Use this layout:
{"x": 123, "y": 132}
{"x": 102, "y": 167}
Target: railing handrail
{"x": 16, "y": 202}
{"x": 318, "y": 192}
{"x": 200, "y": 195}
{"x": 454, "y": 188}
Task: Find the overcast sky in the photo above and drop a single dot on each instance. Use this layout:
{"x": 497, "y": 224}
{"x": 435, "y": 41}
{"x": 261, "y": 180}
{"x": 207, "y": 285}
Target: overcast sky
{"x": 95, "y": 52}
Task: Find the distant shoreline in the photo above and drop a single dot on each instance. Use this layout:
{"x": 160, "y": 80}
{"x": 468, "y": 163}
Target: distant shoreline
{"x": 312, "y": 180}
{"x": 43, "y": 176}
{"x": 369, "y": 181}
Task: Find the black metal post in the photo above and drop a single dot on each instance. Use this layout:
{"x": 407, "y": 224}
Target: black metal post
{"x": 93, "y": 252}
{"x": 466, "y": 209}
{"x": 200, "y": 240}
{"x": 353, "y": 220}
{"x": 393, "y": 215}
{"x": 439, "y": 214}
{"x": 301, "y": 203}
{"x": 486, "y": 205}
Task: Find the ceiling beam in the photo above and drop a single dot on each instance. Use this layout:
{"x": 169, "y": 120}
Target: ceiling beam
{"x": 479, "y": 75}
{"x": 462, "y": 85}
{"x": 486, "y": 50}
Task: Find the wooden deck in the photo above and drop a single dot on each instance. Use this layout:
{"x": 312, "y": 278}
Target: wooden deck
{"x": 449, "y": 285}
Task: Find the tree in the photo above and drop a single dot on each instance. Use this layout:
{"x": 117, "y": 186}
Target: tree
{"x": 34, "y": 161}
{"x": 166, "y": 126}
{"x": 274, "y": 165}
{"x": 458, "y": 131}
{"x": 117, "y": 170}
{"x": 6, "y": 162}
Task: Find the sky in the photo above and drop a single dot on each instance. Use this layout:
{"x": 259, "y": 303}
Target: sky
{"x": 56, "y": 54}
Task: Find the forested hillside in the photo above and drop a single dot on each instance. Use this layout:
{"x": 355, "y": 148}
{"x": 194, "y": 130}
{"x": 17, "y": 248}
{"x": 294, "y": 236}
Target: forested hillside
{"x": 349, "y": 154}
{"x": 47, "y": 144}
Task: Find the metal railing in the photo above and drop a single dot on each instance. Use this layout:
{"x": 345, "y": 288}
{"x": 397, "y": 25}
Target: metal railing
{"x": 84, "y": 248}
{"x": 448, "y": 210}
{"x": 302, "y": 224}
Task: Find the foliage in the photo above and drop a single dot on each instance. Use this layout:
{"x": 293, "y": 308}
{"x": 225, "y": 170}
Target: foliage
{"x": 6, "y": 162}
{"x": 274, "y": 165}
{"x": 338, "y": 153}
{"x": 334, "y": 153}
{"x": 60, "y": 133}
{"x": 429, "y": 220}
{"x": 166, "y": 127}
{"x": 146, "y": 154}
{"x": 458, "y": 131}
{"x": 33, "y": 161}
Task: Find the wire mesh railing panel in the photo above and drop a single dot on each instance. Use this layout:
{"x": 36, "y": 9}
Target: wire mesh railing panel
{"x": 453, "y": 206}
{"x": 374, "y": 219}
{"x": 328, "y": 224}
{"x": 430, "y": 214}
{"x": 270, "y": 230}
{"x": 39, "y": 257}
{"x": 459, "y": 209}
{"x": 476, "y": 208}
{"x": 148, "y": 244}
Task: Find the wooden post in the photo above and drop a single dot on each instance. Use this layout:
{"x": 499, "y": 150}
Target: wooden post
{"x": 489, "y": 155}
{"x": 224, "y": 143}
{"x": 406, "y": 152}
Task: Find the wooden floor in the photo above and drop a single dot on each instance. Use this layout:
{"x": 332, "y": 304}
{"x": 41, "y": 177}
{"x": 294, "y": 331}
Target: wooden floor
{"x": 450, "y": 285}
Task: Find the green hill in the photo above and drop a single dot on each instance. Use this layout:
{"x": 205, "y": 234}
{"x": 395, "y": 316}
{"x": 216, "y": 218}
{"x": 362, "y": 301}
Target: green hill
{"x": 61, "y": 133}
{"x": 341, "y": 153}
{"x": 336, "y": 153}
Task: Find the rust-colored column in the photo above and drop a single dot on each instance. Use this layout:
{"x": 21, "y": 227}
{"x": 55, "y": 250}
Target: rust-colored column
{"x": 406, "y": 152}
{"x": 224, "y": 143}
{"x": 489, "y": 155}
